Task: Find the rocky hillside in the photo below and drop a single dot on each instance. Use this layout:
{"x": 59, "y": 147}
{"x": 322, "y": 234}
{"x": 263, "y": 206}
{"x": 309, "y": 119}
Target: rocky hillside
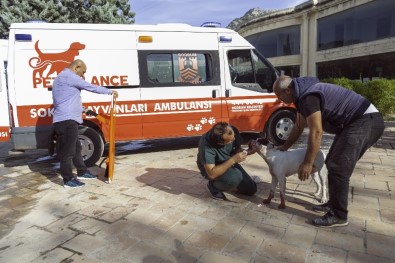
{"x": 251, "y": 14}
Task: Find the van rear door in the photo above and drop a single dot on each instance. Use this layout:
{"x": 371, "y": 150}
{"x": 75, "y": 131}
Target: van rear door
{"x": 4, "y": 106}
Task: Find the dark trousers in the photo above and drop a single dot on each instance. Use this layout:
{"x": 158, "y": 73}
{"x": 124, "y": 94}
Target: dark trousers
{"x": 347, "y": 148}
{"x": 70, "y": 149}
{"x": 236, "y": 177}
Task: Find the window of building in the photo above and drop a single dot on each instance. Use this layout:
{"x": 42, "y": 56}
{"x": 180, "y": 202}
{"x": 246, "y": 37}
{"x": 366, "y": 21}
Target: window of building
{"x": 278, "y": 42}
{"x": 359, "y": 68}
{"x": 292, "y": 71}
{"x": 364, "y": 23}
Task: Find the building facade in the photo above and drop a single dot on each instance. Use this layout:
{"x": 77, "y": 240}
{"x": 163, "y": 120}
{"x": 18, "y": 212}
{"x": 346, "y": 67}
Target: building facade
{"x": 328, "y": 38}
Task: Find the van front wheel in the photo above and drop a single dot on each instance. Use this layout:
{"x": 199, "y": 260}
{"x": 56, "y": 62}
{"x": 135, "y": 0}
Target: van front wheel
{"x": 92, "y": 145}
{"x": 279, "y": 126}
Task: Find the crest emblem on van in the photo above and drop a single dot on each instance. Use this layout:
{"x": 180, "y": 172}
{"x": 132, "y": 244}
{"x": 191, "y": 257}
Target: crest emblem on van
{"x": 45, "y": 64}
{"x": 188, "y": 67}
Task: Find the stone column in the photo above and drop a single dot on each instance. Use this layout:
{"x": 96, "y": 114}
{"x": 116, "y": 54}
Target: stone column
{"x": 304, "y": 45}
{"x": 312, "y": 49}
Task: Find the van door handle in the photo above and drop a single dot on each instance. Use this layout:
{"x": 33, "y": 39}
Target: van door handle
{"x": 214, "y": 93}
{"x": 227, "y": 93}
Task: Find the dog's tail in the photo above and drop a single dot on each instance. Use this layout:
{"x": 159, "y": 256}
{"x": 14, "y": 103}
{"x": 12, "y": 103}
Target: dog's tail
{"x": 37, "y": 49}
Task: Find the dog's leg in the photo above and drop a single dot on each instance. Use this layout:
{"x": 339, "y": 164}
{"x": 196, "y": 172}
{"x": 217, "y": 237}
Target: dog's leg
{"x": 324, "y": 179}
{"x": 282, "y": 186}
{"x": 273, "y": 186}
{"x": 317, "y": 180}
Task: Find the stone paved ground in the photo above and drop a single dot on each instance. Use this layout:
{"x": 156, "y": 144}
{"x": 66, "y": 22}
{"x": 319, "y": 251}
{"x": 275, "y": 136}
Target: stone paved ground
{"x": 157, "y": 209}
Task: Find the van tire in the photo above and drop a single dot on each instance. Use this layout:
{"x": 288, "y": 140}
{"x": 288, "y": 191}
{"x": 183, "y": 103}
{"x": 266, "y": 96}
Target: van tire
{"x": 92, "y": 145}
{"x": 279, "y": 126}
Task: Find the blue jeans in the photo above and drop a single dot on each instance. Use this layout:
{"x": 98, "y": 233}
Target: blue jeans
{"x": 70, "y": 149}
{"x": 347, "y": 148}
{"x": 236, "y": 177}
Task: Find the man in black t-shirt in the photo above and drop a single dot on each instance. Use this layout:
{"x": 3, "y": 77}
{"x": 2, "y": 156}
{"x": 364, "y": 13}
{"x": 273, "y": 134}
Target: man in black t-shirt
{"x": 218, "y": 160}
{"x": 356, "y": 123}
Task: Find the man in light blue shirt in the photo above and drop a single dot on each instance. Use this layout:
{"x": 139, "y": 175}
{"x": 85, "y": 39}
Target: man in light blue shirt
{"x": 67, "y": 115}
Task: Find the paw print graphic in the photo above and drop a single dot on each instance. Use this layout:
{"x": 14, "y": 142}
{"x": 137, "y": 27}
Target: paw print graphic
{"x": 198, "y": 127}
{"x": 203, "y": 120}
{"x": 190, "y": 127}
{"x": 211, "y": 120}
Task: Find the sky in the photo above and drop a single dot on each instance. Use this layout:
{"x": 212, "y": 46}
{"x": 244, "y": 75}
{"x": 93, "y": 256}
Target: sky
{"x": 196, "y": 12}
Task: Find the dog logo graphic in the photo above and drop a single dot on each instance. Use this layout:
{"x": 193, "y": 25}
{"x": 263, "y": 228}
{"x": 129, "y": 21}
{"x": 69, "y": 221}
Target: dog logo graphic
{"x": 46, "y": 64}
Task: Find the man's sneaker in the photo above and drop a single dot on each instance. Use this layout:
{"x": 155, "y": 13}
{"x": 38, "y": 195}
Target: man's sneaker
{"x": 329, "y": 220}
{"x": 86, "y": 176}
{"x": 73, "y": 183}
{"x": 215, "y": 194}
{"x": 324, "y": 208}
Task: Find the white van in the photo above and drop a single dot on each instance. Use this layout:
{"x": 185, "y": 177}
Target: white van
{"x": 173, "y": 80}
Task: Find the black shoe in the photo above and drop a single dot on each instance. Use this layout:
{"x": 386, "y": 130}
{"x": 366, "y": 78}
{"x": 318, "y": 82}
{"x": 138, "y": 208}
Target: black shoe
{"x": 324, "y": 208}
{"x": 215, "y": 194}
{"x": 86, "y": 176}
{"x": 329, "y": 220}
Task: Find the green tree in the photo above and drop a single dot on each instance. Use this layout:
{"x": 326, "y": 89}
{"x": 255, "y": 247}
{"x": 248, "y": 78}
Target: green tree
{"x": 64, "y": 11}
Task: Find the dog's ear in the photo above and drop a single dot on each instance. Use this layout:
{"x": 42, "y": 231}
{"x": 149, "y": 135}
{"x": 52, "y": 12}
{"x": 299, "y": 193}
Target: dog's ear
{"x": 263, "y": 141}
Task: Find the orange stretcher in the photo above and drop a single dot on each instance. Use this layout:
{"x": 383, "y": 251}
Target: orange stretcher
{"x": 109, "y": 121}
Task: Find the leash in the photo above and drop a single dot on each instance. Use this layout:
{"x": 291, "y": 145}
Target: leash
{"x": 111, "y": 152}
{"x": 108, "y": 121}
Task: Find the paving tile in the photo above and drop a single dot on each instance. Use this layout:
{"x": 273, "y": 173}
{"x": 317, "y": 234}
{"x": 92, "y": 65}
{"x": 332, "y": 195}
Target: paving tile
{"x": 282, "y": 252}
{"x": 85, "y": 244}
{"x": 302, "y": 236}
{"x": 210, "y": 257}
{"x": 387, "y": 203}
{"x": 168, "y": 219}
{"x": 320, "y": 253}
{"x": 207, "y": 240}
{"x": 116, "y": 214}
{"x": 387, "y": 215}
{"x": 341, "y": 241}
{"x": 56, "y": 255}
{"x": 243, "y": 246}
{"x": 360, "y": 201}
{"x": 371, "y": 214}
{"x": 228, "y": 226}
{"x": 88, "y": 225}
{"x": 94, "y": 210}
{"x": 355, "y": 257}
{"x": 380, "y": 245}
{"x": 380, "y": 227}
{"x": 31, "y": 244}
{"x": 186, "y": 254}
{"x": 377, "y": 185}
{"x": 268, "y": 232}
{"x": 199, "y": 222}
{"x": 65, "y": 222}
{"x": 175, "y": 236}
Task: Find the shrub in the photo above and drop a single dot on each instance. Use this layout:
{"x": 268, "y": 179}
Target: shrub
{"x": 346, "y": 83}
{"x": 381, "y": 93}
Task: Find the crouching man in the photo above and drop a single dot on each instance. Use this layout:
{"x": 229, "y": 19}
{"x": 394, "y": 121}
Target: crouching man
{"x": 218, "y": 160}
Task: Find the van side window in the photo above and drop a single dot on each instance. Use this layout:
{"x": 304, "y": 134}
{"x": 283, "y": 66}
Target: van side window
{"x": 188, "y": 68}
{"x": 249, "y": 67}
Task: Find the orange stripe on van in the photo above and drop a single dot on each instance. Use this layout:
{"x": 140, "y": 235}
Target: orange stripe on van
{"x": 4, "y": 133}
